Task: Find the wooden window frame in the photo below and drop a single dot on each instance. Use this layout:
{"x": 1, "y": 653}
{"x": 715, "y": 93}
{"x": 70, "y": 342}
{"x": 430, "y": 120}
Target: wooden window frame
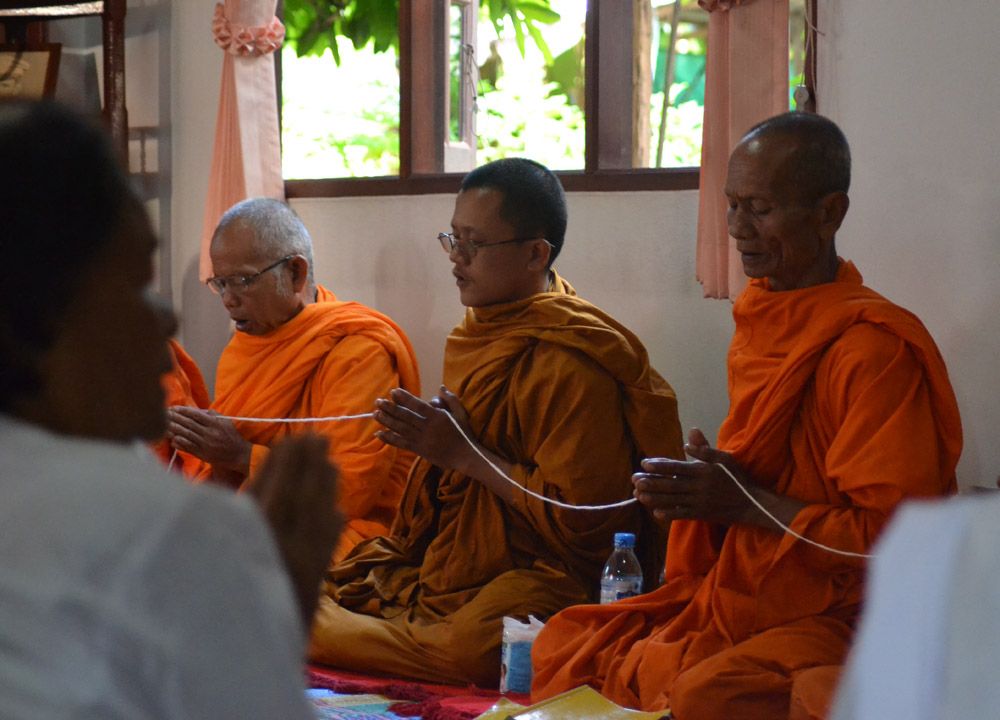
{"x": 423, "y": 93}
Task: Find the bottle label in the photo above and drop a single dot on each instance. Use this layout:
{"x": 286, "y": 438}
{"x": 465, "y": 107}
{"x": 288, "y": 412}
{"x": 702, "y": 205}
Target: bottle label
{"x": 515, "y": 667}
{"x": 612, "y": 590}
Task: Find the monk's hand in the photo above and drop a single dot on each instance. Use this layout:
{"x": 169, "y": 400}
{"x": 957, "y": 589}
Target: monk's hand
{"x": 447, "y": 400}
{"x": 209, "y": 437}
{"x": 689, "y": 490}
{"x": 425, "y": 428}
{"x": 700, "y": 489}
{"x": 694, "y": 490}
{"x": 296, "y": 490}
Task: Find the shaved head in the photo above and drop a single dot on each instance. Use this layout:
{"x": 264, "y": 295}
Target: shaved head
{"x": 275, "y": 228}
{"x": 817, "y": 158}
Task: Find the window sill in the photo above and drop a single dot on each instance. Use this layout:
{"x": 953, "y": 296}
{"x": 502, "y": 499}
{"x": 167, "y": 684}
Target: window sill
{"x": 603, "y": 181}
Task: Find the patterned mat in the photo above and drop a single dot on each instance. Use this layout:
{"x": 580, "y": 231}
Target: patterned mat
{"x": 329, "y": 705}
{"x": 403, "y": 698}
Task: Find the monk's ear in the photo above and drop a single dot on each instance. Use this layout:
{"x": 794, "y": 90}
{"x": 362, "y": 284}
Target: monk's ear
{"x": 833, "y": 208}
{"x": 300, "y": 272}
{"x": 541, "y": 251}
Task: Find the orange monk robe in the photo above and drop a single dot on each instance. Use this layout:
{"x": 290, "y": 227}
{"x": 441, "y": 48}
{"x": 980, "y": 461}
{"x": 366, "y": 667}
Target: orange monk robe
{"x": 838, "y": 398}
{"x": 812, "y": 692}
{"x": 558, "y": 388}
{"x": 332, "y": 359}
{"x": 183, "y": 385}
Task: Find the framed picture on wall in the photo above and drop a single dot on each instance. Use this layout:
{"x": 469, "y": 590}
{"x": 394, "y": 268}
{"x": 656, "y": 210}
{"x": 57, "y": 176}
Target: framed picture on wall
{"x": 29, "y": 72}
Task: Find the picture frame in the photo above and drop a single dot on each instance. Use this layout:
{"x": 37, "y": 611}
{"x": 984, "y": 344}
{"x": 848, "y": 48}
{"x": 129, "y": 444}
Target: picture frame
{"x": 29, "y": 71}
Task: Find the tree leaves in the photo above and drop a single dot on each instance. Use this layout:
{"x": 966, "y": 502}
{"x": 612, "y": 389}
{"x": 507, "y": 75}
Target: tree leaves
{"x": 313, "y": 26}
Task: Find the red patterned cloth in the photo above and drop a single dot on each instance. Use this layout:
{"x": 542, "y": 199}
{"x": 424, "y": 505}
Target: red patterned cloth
{"x": 416, "y": 699}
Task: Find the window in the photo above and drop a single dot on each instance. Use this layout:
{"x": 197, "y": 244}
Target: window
{"x": 401, "y": 96}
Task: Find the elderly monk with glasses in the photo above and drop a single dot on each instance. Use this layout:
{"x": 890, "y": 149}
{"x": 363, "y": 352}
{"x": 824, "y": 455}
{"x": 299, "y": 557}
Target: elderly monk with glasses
{"x": 297, "y": 352}
{"x": 556, "y": 394}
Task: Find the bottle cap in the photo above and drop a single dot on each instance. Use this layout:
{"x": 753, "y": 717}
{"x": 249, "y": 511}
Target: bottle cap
{"x": 625, "y": 540}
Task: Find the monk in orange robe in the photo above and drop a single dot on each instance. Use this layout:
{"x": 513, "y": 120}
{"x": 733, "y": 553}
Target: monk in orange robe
{"x": 840, "y": 408}
{"x": 551, "y": 390}
{"x": 183, "y": 385}
{"x": 297, "y": 352}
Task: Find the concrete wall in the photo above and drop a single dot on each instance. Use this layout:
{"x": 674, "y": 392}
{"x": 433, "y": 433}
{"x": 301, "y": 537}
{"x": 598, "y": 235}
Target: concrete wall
{"x": 914, "y": 88}
{"x": 908, "y": 81}
{"x": 196, "y": 66}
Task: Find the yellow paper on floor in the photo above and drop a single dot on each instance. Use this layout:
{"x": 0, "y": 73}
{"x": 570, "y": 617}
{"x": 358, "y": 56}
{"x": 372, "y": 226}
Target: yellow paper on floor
{"x": 582, "y": 703}
{"x": 501, "y": 710}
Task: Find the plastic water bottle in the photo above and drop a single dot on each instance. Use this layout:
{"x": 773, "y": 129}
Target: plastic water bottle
{"x": 622, "y": 576}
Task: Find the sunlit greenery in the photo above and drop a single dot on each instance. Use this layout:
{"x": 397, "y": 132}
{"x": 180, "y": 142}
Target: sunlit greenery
{"x": 334, "y": 126}
{"x": 315, "y": 26}
{"x": 340, "y": 113}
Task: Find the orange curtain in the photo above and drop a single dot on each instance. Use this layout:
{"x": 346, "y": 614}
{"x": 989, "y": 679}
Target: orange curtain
{"x": 746, "y": 81}
{"x": 246, "y": 161}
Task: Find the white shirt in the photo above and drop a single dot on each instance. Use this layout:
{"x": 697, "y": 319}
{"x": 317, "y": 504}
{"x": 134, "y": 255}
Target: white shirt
{"x": 127, "y": 593}
{"x": 928, "y": 646}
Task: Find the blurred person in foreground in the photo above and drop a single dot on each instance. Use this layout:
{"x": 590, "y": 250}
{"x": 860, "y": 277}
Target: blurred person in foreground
{"x": 125, "y": 592}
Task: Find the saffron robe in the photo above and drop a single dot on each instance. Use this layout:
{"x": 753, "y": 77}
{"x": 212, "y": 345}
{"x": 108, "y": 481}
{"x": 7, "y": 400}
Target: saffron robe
{"x": 838, "y": 398}
{"x": 332, "y": 359}
{"x": 565, "y": 393}
{"x": 183, "y": 385}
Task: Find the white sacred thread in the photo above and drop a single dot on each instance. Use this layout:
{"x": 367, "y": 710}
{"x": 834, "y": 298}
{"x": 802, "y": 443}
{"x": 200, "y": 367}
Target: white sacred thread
{"x": 623, "y": 503}
{"x": 543, "y": 498}
{"x": 776, "y": 521}
{"x": 170, "y": 465}
{"x": 518, "y": 485}
{"x": 335, "y": 418}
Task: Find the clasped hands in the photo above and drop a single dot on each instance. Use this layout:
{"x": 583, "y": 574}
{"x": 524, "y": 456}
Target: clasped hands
{"x": 209, "y": 437}
{"x": 425, "y": 428}
{"x": 699, "y": 489}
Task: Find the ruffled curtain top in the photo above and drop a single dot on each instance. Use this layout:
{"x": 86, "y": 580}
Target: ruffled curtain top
{"x": 246, "y": 41}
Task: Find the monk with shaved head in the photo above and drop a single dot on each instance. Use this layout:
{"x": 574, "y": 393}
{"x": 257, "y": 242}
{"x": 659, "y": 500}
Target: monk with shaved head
{"x": 297, "y": 352}
{"x": 546, "y": 398}
{"x": 840, "y": 408}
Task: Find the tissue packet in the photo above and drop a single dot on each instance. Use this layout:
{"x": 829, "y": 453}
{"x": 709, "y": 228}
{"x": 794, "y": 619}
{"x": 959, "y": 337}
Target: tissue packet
{"x": 515, "y": 653}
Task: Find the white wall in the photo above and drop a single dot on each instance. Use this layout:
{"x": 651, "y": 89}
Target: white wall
{"x": 914, "y": 86}
{"x": 196, "y": 69}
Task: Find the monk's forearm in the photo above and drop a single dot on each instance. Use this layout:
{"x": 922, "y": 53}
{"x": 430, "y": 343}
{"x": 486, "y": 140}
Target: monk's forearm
{"x": 476, "y": 467}
{"x": 781, "y": 507}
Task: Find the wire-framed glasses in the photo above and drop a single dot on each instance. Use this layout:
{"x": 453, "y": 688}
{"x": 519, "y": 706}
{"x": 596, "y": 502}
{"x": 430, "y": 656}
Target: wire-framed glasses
{"x": 241, "y": 283}
{"x": 469, "y": 248}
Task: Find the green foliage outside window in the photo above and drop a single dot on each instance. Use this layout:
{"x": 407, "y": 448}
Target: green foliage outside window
{"x": 334, "y": 129}
{"x": 312, "y": 26}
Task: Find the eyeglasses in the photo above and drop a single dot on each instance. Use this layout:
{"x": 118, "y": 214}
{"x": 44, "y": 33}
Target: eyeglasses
{"x": 469, "y": 248}
{"x": 241, "y": 283}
